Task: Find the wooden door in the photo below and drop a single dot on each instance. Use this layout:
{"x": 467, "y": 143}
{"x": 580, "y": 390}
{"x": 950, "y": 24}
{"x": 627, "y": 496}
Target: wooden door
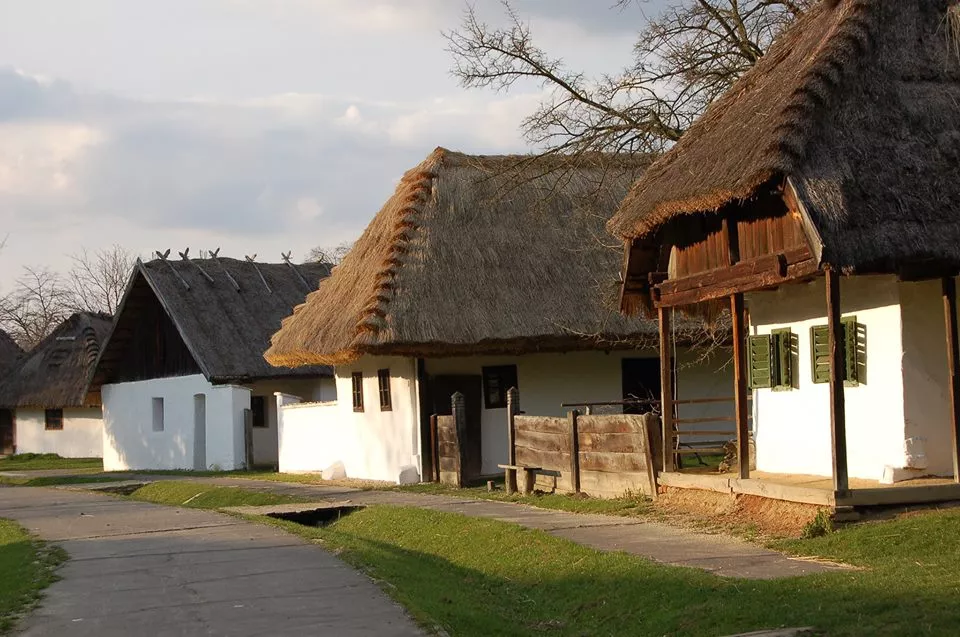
{"x": 6, "y": 431}
{"x": 641, "y": 381}
{"x": 471, "y": 386}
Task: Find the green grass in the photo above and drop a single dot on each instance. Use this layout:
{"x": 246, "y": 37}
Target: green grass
{"x": 53, "y": 481}
{"x": 205, "y": 496}
{"x": 27, "y": 567}
{"x": 483, "y": 577}
{"x": 34, "y": 461}
{"x": 628, "y": 505}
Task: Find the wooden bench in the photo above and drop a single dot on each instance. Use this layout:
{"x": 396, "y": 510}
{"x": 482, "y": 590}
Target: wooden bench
{"x": 513, "y": 470}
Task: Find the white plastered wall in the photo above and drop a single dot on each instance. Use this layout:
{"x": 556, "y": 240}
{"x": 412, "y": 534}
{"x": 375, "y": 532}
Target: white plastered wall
{"x": 371, "y": 444}
{"x": 548, "y": 380}
{"x": 129, "y": 441}
{"x": 265, "y": 445}
{"x": 793, "y": 427}
{"x": 81, "y": 436}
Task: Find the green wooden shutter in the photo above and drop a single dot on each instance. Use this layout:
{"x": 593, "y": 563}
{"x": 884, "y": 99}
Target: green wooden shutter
{"x": 760, "y": 361}
{"x": 820, "y": 353}
{"x": 854, "y": 356}
{"x": 783, "y": 358}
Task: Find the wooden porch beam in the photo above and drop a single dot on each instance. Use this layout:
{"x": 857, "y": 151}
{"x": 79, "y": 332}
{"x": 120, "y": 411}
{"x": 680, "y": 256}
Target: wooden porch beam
{"x": 666, "y": 388}
{"x": 949, "y": 287}
{"x": 740, "y": 383}
{"x": 838, "y": 417}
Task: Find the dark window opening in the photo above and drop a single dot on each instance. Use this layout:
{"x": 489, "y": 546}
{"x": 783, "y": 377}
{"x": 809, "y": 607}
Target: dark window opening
{"x": 53, "y": 419}
{"x": 496, "y": 381}
{"x": 258, "y": 409}
{"x": 383, "y": 381}
{"x": 357, "y": 380}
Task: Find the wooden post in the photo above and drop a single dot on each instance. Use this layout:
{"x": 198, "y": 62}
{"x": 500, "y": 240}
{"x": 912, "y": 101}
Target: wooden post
{"x": 666, "y": 388}
{"x": 459, "y": 410}
{"x": 513, "y": 408}
{"x": 434, "y": 449}
{"x": 740, "y": 383}
{"x": 248, "y": 438}
{"x": 574, "y": 451}
{"x": 838, "y": 416}
{"x": 949, "y": 286}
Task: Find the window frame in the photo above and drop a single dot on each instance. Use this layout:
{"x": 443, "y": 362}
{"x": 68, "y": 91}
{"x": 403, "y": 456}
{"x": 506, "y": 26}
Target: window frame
{"x": 852, "y": 361}
{"x": 53, "y": 419}
{"x": 497, "y": 372}
{"x": 262, "y": 401}
{"x": 356, "y": 391}
{"x": 383, "y": 388}
{"x": 157, "y": 424}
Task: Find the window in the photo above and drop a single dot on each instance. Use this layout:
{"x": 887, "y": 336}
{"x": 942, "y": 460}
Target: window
{"x": 496, "y": 381}
{"x": 770, "y": 359}
{"x": 853, "y": 350}
{"x": 158, "y": 414}
{"x": 53, "y": 419}
{"x": 357, "y": 380}
{"x": 383, "y": 381}
{"x": 258, "y": 409}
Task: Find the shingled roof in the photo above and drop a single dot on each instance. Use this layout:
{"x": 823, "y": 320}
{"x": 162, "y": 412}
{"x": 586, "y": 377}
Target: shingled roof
{"x": 224, "y": 310}
{"x": 54, "y": 373}
{"x": 858, "y": 105}
{"x": 476, "y": 254}
{"x": 10, "y": 352}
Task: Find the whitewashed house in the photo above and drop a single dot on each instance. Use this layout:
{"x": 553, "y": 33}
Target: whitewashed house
{"x": 44, "y": 407}
{"x": 10, "y": 353}
{"x": 819, "y": 200}
{"x": 182, "y": 376}
{"x": 479, "y": 274}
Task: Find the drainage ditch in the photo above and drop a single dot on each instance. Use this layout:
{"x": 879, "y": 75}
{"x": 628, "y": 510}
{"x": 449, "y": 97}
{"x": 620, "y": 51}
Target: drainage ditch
{"x": 316, "y": 517}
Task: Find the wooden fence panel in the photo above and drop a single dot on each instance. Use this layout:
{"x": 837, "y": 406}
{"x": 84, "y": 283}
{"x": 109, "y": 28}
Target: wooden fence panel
{"x": 545, "y": 442}
{"x": 449, "y": 451}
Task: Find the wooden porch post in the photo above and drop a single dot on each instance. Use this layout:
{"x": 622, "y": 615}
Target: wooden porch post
{"x": 513, "y": 408}
{"x": 740, "y": 383}
{"x": 949, "y": 287}
{"x": 666, "y": 388}
{"x": 838, "y": 416}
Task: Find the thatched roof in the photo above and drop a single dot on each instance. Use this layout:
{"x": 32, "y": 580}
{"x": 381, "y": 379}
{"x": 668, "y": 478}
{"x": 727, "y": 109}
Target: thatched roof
{"x": 10, "y": 352}
{"x": 224, "y": 310}
{"x": 858, "y": 104}
{"x": 476, "y": 254}
{"x": 54, "y": 373}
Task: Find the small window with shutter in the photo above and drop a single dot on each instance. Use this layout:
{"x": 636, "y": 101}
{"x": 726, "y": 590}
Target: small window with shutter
{"x": 853, "y": 352}
{"x": 771, "y": 360}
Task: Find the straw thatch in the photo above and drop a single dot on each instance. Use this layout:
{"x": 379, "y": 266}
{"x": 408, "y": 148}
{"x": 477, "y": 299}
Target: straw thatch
{"x": 10, "y": 352}
{"x": 858, "y": 104}
{"x": 476, "y": 254}
{"x": 224, "y": 310}
{"x": 54, "y": 374}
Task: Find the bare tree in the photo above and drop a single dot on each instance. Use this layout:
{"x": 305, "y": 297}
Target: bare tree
{"x": 38, "y": 303}
{"x": 331, "y": 255}
{"x": 683, "y": 60}
{"x": 97, "y": 280}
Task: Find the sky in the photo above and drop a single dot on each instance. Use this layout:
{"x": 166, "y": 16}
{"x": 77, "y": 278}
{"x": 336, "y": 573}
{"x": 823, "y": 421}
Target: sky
{"x": 255, "y": 126}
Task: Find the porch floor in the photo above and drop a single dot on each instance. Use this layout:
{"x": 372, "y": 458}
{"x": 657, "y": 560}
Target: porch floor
{"x": 815, "y": 489}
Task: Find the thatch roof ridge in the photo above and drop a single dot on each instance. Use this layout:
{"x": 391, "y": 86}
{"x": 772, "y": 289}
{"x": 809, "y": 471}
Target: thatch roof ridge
{"x": 54, "y": 373}
{"x": 457, "y": 231}
{"x": 224, "y": 310}
{"x": 684, "y": 182}
{"x": 10, "y": 352}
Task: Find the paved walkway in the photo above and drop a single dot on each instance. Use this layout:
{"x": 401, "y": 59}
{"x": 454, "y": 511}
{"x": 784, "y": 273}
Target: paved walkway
{"x": 142, "y": 569}
{"x": 720, "y": 554}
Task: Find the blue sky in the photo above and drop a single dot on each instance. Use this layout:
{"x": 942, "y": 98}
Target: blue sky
{"x": 249, "y": 125}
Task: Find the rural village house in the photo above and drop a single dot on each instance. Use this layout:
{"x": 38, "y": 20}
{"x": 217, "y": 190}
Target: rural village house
{"x": 44, "y": 407}
{"x": 818, "y": 200}
{"x": 10, "y": 352}
{"x": 479, "y": 274}
{"x": 182, "y": 374}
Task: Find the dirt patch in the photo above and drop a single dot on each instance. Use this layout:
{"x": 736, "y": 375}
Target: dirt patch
{"x": 735, "y": 512}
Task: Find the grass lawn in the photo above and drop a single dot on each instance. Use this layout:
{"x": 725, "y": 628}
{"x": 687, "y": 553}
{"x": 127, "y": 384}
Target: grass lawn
{"x": 628, "y": 505}
{"x": 33, "y": 461}
{"x": 52, "y": 481}
{"x": 26, "y": 568}
{"x": 205, "y": 496}
{"x": 481, "y": 577}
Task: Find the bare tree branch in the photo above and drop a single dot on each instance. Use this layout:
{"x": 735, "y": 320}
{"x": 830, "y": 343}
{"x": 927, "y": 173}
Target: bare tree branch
{"x": 97, "y": 280}
{"x": 37, "y": 304}
{"x": 331, "y": 255}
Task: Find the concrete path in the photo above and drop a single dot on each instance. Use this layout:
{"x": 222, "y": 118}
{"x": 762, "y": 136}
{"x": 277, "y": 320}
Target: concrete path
{"x": 142, "y": 569}
{"x": 719, "y": 554}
